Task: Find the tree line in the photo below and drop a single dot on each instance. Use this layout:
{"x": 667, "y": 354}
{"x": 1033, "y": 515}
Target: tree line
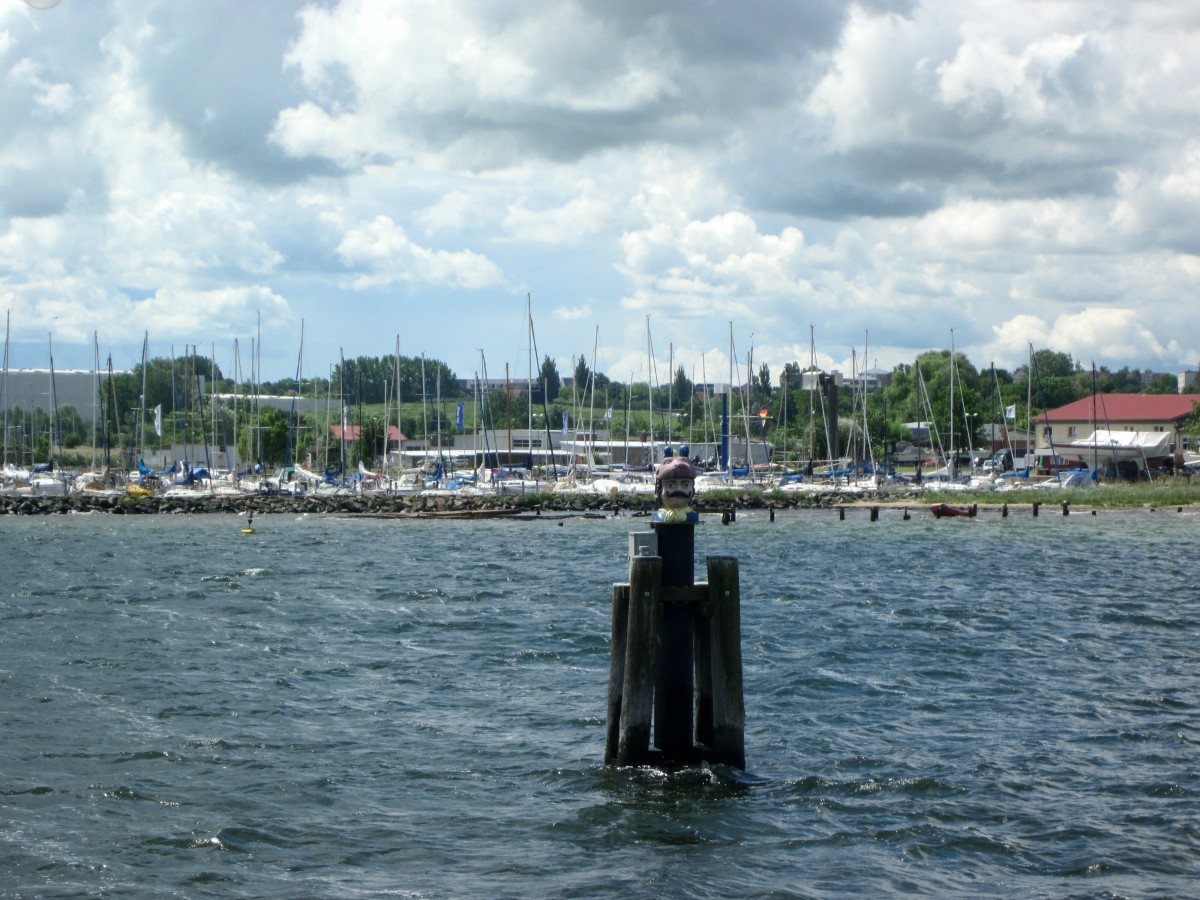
{"x": 778, "y": 406}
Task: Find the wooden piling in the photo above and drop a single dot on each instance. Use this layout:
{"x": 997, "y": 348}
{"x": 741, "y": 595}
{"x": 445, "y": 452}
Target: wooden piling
{"x": 874, "y": 513}
{"x": 673, "y": 722}
{"x": 1004, "y": 511}
{"x": 1066, "y": 507}
{"x": 727, "y": 738}
{"x": 842, "y": 513}
{"x": 616, "y": 670}
{"x": 637, "y": 691}
{"x": 1035, "y": 508}
{"x": 675, "y": 692}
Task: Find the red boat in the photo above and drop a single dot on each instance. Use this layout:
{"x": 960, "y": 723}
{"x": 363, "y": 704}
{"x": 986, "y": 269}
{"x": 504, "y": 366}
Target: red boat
{"x": 946, "y": 509}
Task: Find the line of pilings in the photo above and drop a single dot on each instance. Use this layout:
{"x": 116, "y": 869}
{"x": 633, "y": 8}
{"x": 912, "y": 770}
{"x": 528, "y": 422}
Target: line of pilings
{"x": 938, "y": 511}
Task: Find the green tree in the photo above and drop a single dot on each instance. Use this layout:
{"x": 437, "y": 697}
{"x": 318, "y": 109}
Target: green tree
{"x": 681, "y": 389}
{"x": 1162, "y": 384}
{"x": 549, "y": 377}
{"x": 367, "y": 379}
{"x": 274, "y": 429}
{"x": 176, "y": 383}
{"x": 1056, "y": 380}
{"x": 1052, "y": 364}
{"x": 1191, "y": 425}
{"x": 582, "y": 375}
{"x": 761, "y": 392}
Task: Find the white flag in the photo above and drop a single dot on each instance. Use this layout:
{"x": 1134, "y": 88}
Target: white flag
{"x": 158, "y": 420}
{"x": 1010, "y": 412}
{"x": 608, "y": 414}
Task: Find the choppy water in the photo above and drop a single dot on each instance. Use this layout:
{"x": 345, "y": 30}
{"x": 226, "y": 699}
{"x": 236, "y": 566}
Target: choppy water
{"x": 345, "y": 708}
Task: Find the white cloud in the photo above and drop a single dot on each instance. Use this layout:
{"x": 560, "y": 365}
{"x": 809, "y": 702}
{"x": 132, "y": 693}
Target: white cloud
{"x": 384, "y": 249}
{"x": 221, "y": 313}
{"x": 52, "y": 99}
{"x": 1104, "y": 333}
{"x": 572, "y": 314}
{"x": 583, "y": 215}
{"x": 1014, "y": 171}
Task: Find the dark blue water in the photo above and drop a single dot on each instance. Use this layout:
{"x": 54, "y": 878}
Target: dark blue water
{"x": 345, "y": 708}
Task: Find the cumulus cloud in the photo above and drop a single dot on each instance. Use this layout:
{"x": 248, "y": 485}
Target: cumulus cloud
{"x": 572, "y": 314}
{"x": 1015, "y": 172}
{"x": 386, "y": 254}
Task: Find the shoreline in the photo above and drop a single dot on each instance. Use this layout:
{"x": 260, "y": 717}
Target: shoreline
{"x": 527, "y": 505}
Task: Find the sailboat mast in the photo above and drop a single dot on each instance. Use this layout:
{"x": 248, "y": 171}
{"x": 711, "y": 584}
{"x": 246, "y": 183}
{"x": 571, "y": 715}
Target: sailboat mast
{"x": 342, "y": 410}
{"x": 4, "y": 383}
{"x": 55, "y": 431}
{"x": 237, "y": 382}
{"x": 141, "y": 413}
{"x": 529, "y": 376}
{"x": 110, "y": 419}
{"x": 256, "y": 366}
{"x": 591, "y": 441}
{"x": 670, "y": 391}
{"x": 550, "y": 457}
{"x": 396, "y": 392}
{"x": 425, "y": 407}
{"x": 95, "y": 390}
{"x": 812, "y": 372}
{"x": 952, "y": 468}
{"x": 4, "y": 395}
{"x": 1029, "y": 412}
{"x": 650, "y": 387}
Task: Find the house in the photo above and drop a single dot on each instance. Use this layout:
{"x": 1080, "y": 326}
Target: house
{"x": 1142, "y": 429}
{"x": 352, "y": 433}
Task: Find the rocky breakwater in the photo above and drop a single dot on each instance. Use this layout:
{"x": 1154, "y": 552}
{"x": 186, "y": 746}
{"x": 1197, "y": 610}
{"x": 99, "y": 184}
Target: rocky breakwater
{"x": 392, "y": 504}
{"x": 266, "y": 504}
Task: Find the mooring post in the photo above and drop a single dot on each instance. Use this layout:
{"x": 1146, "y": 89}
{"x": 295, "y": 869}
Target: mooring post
{"x": 675, "y": 671}
{"x": 616, "y": 670}
{"x": 673, "y": 682}
{"x": 725, "y": 732}
{"x": 1035, "y": 508}
{"x": 675, "y": 525}
{"x": 1066, "y": 506}
{"x": 637, "y": 683}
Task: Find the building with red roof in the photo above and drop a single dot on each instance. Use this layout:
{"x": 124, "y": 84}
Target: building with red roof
{"x": 1141, "y": 413}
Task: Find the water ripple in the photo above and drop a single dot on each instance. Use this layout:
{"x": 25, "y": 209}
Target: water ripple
{"x": 352, "y": 708}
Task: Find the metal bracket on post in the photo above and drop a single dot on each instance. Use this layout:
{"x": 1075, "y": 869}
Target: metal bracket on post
{"x": 642, "y": 543}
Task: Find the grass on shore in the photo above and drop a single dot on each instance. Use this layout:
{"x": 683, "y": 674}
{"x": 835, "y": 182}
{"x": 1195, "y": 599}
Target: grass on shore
{"x": 1112, "y": 495}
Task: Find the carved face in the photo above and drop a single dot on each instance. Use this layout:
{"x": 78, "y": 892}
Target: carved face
{"x": 677, "y": 493}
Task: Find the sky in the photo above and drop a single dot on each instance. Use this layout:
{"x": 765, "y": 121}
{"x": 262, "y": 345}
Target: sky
{"x": 647, "y": 185}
